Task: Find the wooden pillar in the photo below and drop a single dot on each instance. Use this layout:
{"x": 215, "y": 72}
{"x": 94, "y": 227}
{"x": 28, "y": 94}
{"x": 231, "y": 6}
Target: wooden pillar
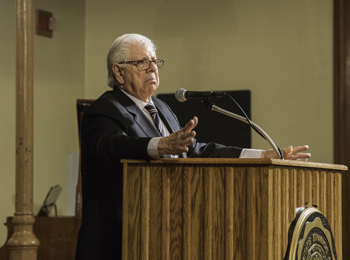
{"x": 23, "y": 244}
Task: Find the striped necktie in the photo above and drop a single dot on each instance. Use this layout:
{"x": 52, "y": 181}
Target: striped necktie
{"x": 156, "y": 119}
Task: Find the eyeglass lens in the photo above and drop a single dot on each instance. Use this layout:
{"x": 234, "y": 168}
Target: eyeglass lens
{"x": 145, "y": 64}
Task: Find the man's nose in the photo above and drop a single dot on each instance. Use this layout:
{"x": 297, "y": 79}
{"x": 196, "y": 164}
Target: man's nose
{"x": 152, "y": 66}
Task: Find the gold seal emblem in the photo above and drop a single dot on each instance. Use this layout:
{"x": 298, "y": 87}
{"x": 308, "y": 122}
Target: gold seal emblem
{"x": 311, "y": 237}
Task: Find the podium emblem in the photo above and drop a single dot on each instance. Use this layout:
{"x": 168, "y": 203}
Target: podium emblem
{"x": 310, "y": 237}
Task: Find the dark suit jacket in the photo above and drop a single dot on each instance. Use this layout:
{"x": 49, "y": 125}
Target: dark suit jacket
{"x": 114, "y": 128}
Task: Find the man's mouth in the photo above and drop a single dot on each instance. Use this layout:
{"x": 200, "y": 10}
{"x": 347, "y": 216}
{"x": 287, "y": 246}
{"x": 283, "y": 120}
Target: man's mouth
{"x": 150, "y": 80}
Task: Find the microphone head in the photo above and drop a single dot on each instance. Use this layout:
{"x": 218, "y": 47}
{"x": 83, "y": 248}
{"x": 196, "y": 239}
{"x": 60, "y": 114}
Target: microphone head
{"x": 180, "y": 95}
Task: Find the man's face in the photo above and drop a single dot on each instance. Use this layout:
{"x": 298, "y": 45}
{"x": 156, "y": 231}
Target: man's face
{"x": 140, "y": 83}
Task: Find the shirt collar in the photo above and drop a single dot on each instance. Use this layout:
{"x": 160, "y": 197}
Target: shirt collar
{"x": 140, "y": 103}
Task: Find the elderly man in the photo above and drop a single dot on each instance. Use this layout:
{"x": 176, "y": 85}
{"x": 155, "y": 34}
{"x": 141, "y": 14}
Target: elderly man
{"x": 128, "y": 122}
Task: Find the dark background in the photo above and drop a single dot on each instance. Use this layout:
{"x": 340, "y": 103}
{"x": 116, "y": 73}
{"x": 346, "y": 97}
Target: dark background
{"x": 213, "y": 126}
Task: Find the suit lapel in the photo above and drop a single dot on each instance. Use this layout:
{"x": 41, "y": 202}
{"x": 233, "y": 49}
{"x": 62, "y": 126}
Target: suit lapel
{"x": 144, "y": 124}
{"x": 141, "y": 120}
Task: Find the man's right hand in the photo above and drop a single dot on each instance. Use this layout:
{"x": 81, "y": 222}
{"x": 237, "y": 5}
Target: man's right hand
{"x": 176, "y": 143}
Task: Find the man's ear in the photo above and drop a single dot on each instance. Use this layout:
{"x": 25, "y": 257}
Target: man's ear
{"x": 118, "y": 73}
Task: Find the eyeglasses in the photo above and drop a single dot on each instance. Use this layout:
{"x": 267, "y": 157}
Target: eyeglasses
{"x": 145, "y": 64}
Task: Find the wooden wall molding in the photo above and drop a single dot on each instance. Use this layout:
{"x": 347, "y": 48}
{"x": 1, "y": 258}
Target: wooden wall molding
{"x": 341, "y": 81}
{"x": 341, "y": 29}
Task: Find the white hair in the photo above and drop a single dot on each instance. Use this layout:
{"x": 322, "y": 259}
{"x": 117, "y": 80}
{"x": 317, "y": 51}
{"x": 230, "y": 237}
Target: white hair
{"x": 119, "y": 52}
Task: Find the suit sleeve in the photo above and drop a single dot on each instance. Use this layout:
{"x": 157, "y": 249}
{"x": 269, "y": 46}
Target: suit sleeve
{"x": 110, "y": 139}
{"x": 212, "y": 150}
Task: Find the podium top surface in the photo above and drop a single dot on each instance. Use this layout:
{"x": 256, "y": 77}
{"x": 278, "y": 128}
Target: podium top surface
{"x": 245, "y": 161}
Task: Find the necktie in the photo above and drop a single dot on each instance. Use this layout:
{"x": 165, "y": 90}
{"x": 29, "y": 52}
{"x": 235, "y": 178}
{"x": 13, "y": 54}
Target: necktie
{"x": 152, "y": 110}
{"x": 156, "y": 119}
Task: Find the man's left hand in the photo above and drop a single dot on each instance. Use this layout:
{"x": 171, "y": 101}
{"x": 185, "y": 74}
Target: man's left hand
{"x": 289, "y": 153}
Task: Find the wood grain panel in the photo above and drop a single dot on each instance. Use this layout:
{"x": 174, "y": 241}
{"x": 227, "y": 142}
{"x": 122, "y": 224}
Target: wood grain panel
{"x": 145, "y": 212}
{"x": 165, "y": 213}
{"x": 323, "y": 192}
{"x": 277, "y": 216}
{"x": 218, "y": 213}
{"x": 308, "y": 187}
{"x": 187, "y": 219}
{"x": 330, "y": 199}
{"x": 240, "y": 213}
{"x": 251, "y": 214}
{"x": 300, "y": 188}
{"x": 132, "y": 213}
{"x": 293, "y": 192}
{"x": 285, "y": 220}
{"x": 197, "y": 205}
{"x": 208, "y": 216}
{"x": 315, "y": 189}
{"x": 221, "y": 211}
{"x": 265, "y": 192}
{"x": 258, "y": 214}
{"x": 229, "y": 216}
{"x": 155, "y": 211}
{"x": 176, "y": 214}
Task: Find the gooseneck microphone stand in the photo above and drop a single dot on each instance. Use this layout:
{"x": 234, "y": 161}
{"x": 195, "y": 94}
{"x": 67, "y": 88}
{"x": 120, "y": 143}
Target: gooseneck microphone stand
{"x": 215, "y": 108}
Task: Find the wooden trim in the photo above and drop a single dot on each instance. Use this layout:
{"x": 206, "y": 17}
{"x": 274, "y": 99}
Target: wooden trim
{"x": 341, "y": 29}
{"x": 341, "y": 82}
{"x": 245, "y": 161}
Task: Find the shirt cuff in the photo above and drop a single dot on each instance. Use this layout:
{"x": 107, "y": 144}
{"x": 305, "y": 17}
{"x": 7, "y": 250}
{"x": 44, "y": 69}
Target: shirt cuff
{"x": 152, "y": 148}
{"x": 250, "y": 153}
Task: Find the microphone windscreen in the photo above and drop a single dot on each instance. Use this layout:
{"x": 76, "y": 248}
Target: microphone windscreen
{"x": 180, "y": 95}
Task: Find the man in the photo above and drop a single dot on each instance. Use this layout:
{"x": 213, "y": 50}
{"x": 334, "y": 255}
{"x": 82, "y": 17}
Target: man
{"x": 128, "y": 122}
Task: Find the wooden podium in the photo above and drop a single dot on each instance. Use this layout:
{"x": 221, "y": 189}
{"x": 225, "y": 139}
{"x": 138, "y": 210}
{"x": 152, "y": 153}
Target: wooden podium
{"x": 223, "y": 208}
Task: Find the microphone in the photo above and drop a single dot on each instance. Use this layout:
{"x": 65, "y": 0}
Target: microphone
{"x": 182, "y": 95}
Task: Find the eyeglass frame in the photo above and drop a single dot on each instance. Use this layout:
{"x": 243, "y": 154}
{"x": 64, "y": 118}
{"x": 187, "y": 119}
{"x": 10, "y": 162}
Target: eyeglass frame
{"x": 139, "y": 62}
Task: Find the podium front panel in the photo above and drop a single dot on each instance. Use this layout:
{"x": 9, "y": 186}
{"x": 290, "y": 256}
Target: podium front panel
{"x": 222, "y": 208}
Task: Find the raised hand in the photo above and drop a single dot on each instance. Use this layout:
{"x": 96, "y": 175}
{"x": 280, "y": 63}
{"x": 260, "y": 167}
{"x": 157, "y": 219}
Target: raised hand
{"x": 176, "y": 143}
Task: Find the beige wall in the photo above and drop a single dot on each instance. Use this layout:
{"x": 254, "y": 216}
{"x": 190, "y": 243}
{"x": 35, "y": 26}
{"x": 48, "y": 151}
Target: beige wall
{"x": 7, "y": 108}
{"x": 280, "y": 50}
{"x": 58, "y": 82}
